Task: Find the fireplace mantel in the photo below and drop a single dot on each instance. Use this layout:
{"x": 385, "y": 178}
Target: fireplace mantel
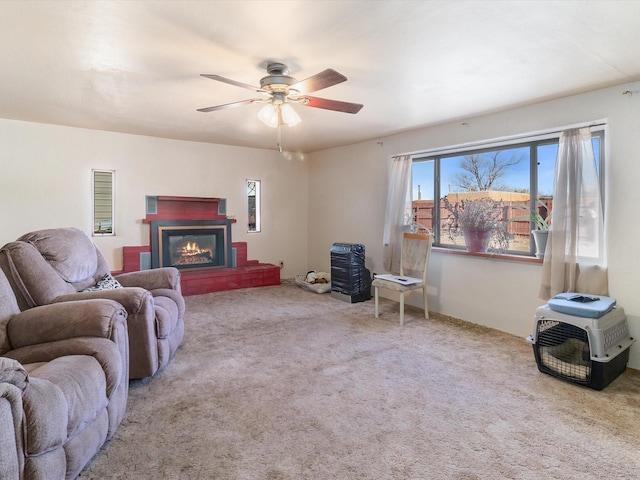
{"x": 185, "y": 208}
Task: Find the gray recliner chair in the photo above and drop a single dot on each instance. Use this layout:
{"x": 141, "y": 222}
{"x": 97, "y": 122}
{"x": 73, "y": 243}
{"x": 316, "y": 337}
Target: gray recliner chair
{"x": 63, "y": 384}
{"x": 63, "y": 264}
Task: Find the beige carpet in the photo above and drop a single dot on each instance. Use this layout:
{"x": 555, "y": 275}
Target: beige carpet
{"x": 280, "y": 383}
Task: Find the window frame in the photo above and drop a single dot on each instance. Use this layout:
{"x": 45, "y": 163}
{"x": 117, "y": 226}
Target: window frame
{"x": 533, "y": 143}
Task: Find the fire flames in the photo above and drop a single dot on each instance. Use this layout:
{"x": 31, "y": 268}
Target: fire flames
{"x": 192, "y": 253}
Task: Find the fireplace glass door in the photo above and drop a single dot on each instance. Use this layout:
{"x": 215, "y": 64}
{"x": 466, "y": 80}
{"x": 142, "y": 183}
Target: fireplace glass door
{"x": 191, "y": 246}
{"x": 192, "y": 250}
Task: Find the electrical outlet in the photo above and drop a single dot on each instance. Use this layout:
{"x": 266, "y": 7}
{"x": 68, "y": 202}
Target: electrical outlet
{"x": 281, "y": 264}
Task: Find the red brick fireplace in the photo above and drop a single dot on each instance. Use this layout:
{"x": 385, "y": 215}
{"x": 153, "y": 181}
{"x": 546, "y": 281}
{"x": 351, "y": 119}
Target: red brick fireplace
{"x": 193, "y": 234}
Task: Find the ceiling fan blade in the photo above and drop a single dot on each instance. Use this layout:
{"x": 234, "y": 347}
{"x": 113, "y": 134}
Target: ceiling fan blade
{"x": 336, "y": 105}
{"x": 231, "y": 82}
{"x": 324, "y": 79}
{"x": 227, "y": 105}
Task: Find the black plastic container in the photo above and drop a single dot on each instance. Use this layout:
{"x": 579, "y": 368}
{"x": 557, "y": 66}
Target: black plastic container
{"x": 350, "y": 279}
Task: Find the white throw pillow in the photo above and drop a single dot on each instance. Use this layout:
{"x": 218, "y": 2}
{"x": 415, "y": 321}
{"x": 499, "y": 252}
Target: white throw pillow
{"x": 107, "y": 282}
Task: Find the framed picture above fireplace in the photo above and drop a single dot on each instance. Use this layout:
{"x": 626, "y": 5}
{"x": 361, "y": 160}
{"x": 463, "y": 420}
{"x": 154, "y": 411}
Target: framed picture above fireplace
{"x": 191, "y": 244}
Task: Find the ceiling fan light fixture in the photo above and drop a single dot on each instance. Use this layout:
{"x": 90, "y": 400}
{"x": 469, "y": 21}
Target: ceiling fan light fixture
{"x": 269, "y": 115}
{"x": 289, "y": 115}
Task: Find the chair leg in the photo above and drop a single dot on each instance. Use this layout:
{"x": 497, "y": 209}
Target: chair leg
{"x": 426, "y": 303}
{"x": 375, "y": 294}
{"x": 401, "y": 309}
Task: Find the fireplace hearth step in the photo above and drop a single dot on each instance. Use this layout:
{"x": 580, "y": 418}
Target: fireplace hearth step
{"x": 195, "y": 282}
{"x": 246, "y": 273}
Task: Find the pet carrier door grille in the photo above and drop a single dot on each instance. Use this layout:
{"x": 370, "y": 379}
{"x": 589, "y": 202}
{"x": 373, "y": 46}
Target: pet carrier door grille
{"x": 564, "y": 350}
{"x": 613, "y": 335}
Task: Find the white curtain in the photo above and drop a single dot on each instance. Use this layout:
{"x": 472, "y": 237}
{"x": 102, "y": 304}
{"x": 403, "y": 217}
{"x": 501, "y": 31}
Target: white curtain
{"x": 575, "y": 257}
{"x": 395, "y": 213}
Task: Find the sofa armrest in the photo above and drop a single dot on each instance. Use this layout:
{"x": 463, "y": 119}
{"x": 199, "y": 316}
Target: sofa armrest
{"x": 59, "y": 321}
{"x": 103, "y": 350}
{"x": 12, "y": 372}
{"x": 166, "y": 277}
{"x": 11, "y": 417}
{"x": 133, "y": 299}
{"x": 141, "y": 325}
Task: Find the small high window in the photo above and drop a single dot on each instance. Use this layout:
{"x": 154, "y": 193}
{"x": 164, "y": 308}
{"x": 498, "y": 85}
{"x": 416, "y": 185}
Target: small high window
{"x": 102, "y": 190}
{"x": 253, "y": 205}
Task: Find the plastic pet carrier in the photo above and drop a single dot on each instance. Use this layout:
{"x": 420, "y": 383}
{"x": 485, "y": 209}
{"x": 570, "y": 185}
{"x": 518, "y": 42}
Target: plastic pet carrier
{"x": 582, "y": 349}
{"x": 350, "y": 280}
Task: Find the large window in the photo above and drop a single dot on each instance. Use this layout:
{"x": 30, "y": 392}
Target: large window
{"x": 518, "y": 175}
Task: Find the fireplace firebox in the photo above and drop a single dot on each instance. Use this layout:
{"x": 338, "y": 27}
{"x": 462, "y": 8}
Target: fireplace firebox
{"x": 191, "y": 244}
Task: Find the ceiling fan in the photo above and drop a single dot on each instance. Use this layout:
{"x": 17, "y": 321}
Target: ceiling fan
{"x": 279, "y": 90}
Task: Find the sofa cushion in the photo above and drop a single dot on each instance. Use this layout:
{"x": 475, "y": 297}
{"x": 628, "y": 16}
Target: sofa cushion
{"x": 78, "y": 383}
{"x": 68, "y": 250}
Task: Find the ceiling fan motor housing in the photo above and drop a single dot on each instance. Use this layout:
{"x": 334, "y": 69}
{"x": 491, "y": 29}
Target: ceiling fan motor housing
{"x": 278, "y": 80}
{"x": 277, "y": 68}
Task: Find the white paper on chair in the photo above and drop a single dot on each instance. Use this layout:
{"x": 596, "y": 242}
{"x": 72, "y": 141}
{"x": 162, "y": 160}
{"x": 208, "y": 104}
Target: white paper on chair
{"x": 399, "y": 279}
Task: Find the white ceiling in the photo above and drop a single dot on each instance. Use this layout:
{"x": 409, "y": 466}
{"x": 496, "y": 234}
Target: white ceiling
{"x": 134, "y": 66}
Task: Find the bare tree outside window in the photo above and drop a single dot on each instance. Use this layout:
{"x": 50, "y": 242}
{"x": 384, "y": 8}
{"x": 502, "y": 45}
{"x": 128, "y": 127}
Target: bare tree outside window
{"x": 482, "y": 171}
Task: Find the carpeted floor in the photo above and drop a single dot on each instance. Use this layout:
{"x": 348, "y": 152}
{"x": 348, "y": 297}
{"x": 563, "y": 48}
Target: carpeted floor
{"x": 278, "y": 383}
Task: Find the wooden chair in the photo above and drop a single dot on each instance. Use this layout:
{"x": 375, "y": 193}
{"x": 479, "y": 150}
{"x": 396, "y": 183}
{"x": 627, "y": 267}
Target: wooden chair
{"x": 414, "y": 260}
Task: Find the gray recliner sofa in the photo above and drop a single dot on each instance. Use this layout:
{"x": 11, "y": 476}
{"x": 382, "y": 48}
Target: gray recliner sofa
{"x": 63, "y": 264}
{"x": 63, "y": 384}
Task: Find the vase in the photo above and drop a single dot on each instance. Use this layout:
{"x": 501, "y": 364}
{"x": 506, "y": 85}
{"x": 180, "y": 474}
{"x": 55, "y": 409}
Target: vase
{"x": 477, "y": 241}
{"x": 540, "y": 239}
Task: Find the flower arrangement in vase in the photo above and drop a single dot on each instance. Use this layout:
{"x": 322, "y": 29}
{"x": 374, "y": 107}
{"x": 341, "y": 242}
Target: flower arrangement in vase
{"x": 481, "y": 222}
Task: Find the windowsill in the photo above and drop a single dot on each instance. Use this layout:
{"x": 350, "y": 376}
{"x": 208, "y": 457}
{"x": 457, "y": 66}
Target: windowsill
{"x": 493, "y": 256}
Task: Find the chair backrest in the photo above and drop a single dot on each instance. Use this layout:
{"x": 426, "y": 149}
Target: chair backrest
{"x": 45, "y": 264}
{"x": 416, "y": 249}
{"x": 69, "y": 251}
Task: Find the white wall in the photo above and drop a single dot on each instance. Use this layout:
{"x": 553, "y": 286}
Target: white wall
{"x": 347, "y": 192}
{"x": 46, "y": 183}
